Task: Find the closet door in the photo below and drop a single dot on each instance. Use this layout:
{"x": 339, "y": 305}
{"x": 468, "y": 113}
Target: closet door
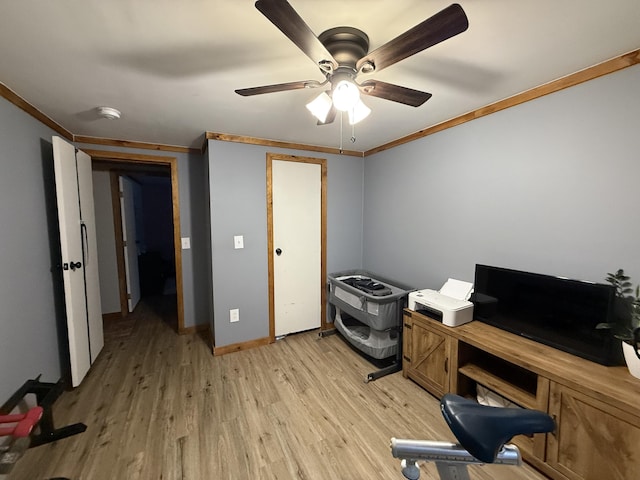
{"x": 90, "y": 254}
{"x": 296, "y": 216}
{"x": 74, "y": 192}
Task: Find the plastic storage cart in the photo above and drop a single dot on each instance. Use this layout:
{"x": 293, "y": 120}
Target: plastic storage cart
{"x": 367, "y": 310}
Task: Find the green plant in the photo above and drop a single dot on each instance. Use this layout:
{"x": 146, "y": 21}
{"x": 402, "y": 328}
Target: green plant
{"x": 625, "y": 324}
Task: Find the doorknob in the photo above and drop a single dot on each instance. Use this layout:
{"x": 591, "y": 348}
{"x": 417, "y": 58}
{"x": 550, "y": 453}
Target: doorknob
{"x": 75, "y": 265}
{"x": 278, "y": 251}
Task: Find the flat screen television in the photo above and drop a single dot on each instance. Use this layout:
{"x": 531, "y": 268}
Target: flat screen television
{"x": 556, "y": 311}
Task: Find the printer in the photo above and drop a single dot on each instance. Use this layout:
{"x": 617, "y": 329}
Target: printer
{"x": 450, "y": 304}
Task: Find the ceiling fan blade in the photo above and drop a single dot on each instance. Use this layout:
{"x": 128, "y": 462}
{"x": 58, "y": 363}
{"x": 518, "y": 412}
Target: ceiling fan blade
{"x": 443, "y": 25}
{"x": 279, "y": 87}
{"x": 395, "y": 93}
{"x": 283, "y": 16}
{"x": 331, "y": 116}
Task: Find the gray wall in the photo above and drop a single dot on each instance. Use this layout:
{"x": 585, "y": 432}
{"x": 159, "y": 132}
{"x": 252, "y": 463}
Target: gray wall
{"x": 29, "y": 304}
{"x": 550, "y": 186}
{"x": 237, "y": 179}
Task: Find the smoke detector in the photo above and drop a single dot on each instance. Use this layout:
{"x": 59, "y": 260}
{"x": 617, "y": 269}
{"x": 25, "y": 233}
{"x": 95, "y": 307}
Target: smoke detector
{"x": 109, "y": 113}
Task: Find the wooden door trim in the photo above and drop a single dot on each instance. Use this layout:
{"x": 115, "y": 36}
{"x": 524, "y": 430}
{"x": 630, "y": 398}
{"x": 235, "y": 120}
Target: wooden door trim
{"x": 117, "y": 227}
{"x": 324, "y": 325}
{"x": 172, "y": 162}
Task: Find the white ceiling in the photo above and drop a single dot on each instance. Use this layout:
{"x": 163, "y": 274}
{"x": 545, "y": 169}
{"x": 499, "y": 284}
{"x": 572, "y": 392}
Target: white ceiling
{"x": 171, "y": 66}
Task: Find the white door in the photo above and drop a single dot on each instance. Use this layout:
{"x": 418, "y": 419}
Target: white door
{"x": 79, "y": 256}
{"x": 129, "y": 241}
{"x": 296, "y": 196}
{"x": 90, "y": 254}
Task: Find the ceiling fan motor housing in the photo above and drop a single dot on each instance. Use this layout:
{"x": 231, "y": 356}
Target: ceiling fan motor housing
{"x": 347, "y": 45}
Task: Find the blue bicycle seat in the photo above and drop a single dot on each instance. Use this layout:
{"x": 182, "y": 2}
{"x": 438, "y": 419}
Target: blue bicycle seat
{"x": 483, "y": 430}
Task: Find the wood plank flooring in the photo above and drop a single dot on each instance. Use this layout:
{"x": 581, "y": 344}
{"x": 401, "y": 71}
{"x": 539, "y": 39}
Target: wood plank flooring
{"x": 160, "y": 406}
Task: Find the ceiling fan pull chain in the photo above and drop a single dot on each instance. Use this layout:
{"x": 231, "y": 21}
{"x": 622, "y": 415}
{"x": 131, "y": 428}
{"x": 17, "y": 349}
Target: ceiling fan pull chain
{"x": 341, "y": 115}
{"x": 353, "y": 133}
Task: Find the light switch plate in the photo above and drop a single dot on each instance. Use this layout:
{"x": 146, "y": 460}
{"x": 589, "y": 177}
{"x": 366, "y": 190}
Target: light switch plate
{"x": 186, "y": 243}
{"x": 234, "y": 315}
{"x": 238, "y": 241}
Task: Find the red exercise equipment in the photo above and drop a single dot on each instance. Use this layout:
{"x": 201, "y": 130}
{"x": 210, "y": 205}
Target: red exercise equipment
{"x": 22, "y": 430}
{"x": 24, "y": 422}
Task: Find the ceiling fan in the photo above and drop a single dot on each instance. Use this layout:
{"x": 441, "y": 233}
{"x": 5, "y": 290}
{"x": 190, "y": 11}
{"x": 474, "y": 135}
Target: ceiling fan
{"x": 342, "y": 54}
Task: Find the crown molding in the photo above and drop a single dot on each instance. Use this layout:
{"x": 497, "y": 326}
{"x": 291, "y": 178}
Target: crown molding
{"x": 609, "y": 66}
{"x": 225, "y": 137}
{"x": 604, "y": 68}
{"x": 132, "y": 144}
{"x": 22, "y": 104}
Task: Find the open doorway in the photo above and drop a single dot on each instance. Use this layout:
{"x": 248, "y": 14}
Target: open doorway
{"x": 155, "y": 250}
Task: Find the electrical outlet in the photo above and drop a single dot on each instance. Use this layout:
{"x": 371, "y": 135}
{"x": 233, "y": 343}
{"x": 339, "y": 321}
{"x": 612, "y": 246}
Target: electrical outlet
{"x": 234, "y": 315}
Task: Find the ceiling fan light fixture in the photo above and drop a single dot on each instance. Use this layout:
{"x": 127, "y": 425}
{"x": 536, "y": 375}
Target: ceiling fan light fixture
{"x": 320, "y": 106}
{"x": 345, "y": 95}
{"x": 358, "y": 113}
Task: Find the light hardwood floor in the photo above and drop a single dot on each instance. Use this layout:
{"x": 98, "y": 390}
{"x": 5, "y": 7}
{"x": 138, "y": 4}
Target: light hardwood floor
{"x": 160, "y": 406}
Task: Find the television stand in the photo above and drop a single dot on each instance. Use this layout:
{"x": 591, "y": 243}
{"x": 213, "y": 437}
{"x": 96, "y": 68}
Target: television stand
{"x": 596, "y": 408}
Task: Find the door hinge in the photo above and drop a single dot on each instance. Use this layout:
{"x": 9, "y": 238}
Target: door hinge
{"x": 128, "y": 296}
{"x": 124, "y": 243}
{"x": 121, "y": 194}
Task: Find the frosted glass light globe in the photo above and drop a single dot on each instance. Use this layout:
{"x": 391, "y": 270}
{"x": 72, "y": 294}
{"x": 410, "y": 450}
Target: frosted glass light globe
{"x": 345, "y": 95}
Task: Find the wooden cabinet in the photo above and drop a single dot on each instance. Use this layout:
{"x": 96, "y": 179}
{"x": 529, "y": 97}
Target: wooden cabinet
{"x": 426, "y": 352}
{"x": 596, "y": 408}
{"x": 593, "y": 440}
